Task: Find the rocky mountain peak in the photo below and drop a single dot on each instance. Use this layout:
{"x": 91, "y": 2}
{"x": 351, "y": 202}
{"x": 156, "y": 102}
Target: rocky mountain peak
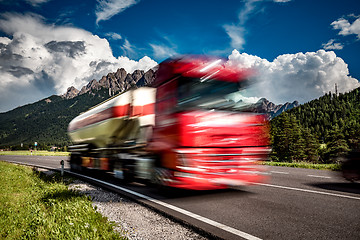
{"x": 118, "y": 81}
{"x": 70, "y": 93}
{"x": 265, "y": 106}
{"x": 120, "y": 74}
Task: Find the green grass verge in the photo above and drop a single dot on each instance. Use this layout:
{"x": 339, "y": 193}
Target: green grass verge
{"x": 333, "y": 167}
{"x": 36, "y": 206}
{"x": 35, "y": 153}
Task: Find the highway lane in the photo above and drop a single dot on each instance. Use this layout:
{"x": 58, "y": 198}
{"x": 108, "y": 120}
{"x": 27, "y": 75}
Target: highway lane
{"x": 48, "y": 161}
{"x": 294, "y": 204}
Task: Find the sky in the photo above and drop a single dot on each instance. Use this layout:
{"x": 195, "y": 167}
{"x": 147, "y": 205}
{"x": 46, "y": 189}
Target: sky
{"x": 299, "y": 49}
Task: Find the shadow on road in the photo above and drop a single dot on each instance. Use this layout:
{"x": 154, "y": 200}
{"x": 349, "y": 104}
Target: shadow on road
{"x": 180, "y": 193}
{"x": 340, "y": 187}
{"x": 168, "y": 193}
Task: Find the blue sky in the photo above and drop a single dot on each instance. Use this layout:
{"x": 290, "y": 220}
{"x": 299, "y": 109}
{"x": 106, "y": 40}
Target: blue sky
{"x": 301, "y": 48}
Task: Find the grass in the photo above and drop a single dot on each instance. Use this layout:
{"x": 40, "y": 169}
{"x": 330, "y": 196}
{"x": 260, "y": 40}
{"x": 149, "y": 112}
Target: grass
{"x": 35, "y": 153}
{"x": 333, "y": 167}
{"x": 36, "y": 206}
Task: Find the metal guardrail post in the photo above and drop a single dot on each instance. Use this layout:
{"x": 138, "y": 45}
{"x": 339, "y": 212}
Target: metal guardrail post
{"x": 62, "y": 167}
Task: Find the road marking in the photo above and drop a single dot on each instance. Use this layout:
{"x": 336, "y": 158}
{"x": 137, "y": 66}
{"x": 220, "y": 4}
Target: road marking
{"x": 317, "y": 176}
{"x": 279, "y": 172}
{"x": 177, "y": 209}
{"x": 306, "y": 190}
{"x": 172, "y": 207}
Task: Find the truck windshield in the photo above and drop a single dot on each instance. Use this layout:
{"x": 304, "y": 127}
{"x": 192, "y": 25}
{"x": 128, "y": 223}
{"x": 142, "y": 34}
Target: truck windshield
{"x": 210, "y": 94}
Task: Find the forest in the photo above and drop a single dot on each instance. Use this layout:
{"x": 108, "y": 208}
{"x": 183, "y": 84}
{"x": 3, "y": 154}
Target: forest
{"x": 320, "y": 131}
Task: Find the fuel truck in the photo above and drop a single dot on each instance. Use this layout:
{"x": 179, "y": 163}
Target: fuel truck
{"x": 184, "y": 131}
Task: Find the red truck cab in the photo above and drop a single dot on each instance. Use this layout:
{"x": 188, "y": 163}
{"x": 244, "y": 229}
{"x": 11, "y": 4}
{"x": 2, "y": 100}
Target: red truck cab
{"x": 202, "y": 138}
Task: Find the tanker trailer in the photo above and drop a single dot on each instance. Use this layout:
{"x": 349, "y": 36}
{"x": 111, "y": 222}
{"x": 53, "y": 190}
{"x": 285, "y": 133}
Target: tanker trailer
{"x": 185, "y": 131}
{"x": 105, "y": 135}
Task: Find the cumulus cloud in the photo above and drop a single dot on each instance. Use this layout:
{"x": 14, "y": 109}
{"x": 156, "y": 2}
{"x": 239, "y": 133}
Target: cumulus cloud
{"x": 106, "y": 9}
{"x": 332, "y": 45}
{"x": 347, "y": 28}
{"x": 40, "y": 59}
{"x": 300, "y": 76}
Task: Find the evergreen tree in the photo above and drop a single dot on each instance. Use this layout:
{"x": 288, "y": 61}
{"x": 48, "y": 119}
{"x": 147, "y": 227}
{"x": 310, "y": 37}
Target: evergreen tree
{"x": 336, "y": 145}
{"x": 311, "y": 146}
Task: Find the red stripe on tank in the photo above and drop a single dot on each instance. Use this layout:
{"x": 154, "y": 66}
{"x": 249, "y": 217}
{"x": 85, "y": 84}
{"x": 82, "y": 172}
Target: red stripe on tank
{"x": 114, "y": 112}
{"x": 144, "y": 110}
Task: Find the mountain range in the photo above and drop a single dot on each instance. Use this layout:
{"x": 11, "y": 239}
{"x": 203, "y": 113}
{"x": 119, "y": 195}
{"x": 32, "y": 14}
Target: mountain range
{"x": 46, "y": 121}
{"x": 273, "y": 110}
{"x": 116, "y": 82}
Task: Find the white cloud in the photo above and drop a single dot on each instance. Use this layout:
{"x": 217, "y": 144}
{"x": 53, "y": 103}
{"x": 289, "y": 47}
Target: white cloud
{"x": 39, "y": 59}
{"x": 300, "y": 76}
{"x": 282, "y": 1}
{"x": 106, "y": 9}
{"x": 128, "y": 48}
{"x": 332, "y": 45}
{"x": 113, "y": 36}
{"x": 36, "y": 3}
{"x": 236, "y": 31}
{"x": 162, "y": 51}
{"x": 249, "y": 8}
{"x": 347, "y": 28}
{"x": 236, "y": 34}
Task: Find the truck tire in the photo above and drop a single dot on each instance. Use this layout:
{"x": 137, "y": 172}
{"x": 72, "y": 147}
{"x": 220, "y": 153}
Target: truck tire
{"x": 128, "y": 171}
{"x": 158, "y": 178}
{"x": 75, "y": 163}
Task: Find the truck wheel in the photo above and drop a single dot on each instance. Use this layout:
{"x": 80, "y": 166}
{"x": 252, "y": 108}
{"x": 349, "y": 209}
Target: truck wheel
{"x": 128, "y": 172}
{"x": 75, "y": 163}
{"x": 158, "y": 178}
{"x": 159, "y": 182}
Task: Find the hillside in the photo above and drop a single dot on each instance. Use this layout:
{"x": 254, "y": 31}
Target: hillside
{"x": 46, "y": 121}
{"x": 318, "y": 131}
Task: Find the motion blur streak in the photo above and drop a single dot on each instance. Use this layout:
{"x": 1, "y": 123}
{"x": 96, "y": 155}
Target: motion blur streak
{"x": 189, "y": 129}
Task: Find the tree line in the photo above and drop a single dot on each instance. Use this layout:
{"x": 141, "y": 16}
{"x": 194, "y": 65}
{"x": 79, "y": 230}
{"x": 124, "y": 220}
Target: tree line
{"x": 319, "y": 131}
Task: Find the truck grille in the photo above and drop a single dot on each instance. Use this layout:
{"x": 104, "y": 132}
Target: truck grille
{"x": 222, "y": 163}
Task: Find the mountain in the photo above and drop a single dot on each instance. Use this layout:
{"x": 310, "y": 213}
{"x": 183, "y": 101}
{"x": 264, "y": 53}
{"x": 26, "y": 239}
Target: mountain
{"x": 265, "y": 106}
{"x": 46, "y": 121}
{"x": 116, "y": 82}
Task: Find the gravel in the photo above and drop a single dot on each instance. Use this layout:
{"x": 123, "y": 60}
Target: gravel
{"x": 132, "y": 219}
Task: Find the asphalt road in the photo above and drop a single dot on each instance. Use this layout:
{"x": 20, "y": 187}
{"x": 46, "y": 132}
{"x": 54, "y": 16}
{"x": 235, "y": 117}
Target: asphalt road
{"x": 293, "y": 204}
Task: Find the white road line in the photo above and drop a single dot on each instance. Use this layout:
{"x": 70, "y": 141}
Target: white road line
{"x": 172, "y": 207}
{"x": 317, "y": 176}
{"x": 309, "y": 191}
{"x": 279, "y": 172}
{"x": 180, "y": 210}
